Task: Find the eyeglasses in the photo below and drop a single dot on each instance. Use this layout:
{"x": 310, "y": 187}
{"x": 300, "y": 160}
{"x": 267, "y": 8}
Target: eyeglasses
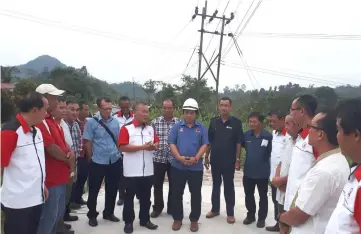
{"x": 293, "y": 109}
{"x": 309, "y": 126}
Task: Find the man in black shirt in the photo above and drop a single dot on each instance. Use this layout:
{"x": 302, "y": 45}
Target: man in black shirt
{"x": 225, "y": 137}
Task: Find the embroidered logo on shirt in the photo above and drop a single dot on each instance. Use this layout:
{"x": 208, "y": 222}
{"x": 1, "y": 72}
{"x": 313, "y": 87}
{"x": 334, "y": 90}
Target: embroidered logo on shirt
{"x": 197, "y": 130}
{"x": 181, "y": 129}
{"x": 229, "y": 127}
{"x": 304, "y": 145}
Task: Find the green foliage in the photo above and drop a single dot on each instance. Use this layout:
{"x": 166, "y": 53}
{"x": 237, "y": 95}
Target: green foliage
{"x": 7, "y": 106}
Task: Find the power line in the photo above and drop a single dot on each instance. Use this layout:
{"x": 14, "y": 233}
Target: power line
{"x": 245, "y": 25}
{"x": 84, "y": 30}
{"x": 239, "y": 26}
{"x": 305, "y": 35}
{"x": 288, "y": 75}
{"x": 190, "y": 59}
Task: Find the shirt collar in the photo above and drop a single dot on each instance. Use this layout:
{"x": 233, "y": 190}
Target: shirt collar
{"x": 356, "y": 173}
{"x": 120, "y": 114}
{"x": 108, "y": 120}
{"x": 183, "y": 123}
{"x": 283, "y": 132}
{"x": 137, "y": 124}
{"x": 304, "y": 133}
{"x": 173, "y": 119}
{"x": 228, "y": 120}
{"x": 328, "y": 153}
{"x": 23, "y": 123}
{"x": 260, "y": 134}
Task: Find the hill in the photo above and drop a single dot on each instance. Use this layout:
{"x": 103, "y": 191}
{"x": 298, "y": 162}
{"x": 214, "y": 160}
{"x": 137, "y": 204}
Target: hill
{"x": 37, "y": 66}
{"x": 126, "y": 88}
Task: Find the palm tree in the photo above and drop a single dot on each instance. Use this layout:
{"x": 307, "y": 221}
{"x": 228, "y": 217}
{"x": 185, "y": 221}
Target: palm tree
{"x": 6, "y": 73}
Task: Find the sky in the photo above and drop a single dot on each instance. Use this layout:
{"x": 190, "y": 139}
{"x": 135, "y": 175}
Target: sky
{"x": 118, "y": 40}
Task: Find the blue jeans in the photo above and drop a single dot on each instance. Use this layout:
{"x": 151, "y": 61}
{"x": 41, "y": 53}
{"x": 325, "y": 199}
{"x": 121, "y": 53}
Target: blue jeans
{"x": 53, "y": 210}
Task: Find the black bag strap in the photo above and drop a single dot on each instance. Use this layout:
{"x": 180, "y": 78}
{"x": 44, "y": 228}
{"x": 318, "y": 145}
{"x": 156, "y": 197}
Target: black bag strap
{"x": 107, "y": 129}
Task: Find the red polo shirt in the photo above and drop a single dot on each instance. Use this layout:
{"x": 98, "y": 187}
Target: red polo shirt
{"x": 57, "y": 172}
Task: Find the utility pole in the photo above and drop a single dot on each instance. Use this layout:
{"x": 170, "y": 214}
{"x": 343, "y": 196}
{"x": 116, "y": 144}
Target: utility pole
{"x": 224, "y": 22}
{"x": 133, "y": 89}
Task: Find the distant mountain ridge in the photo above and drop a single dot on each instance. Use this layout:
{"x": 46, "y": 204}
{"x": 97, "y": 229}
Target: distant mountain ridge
{"x": 43, "y": 63}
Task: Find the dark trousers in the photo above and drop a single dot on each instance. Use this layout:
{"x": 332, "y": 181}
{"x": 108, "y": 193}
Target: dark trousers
{"x": 249, "y": 185}
{"x": 142, "y": 187}
{"x": 121, "y": 188}
{"x": 21, "y": 221}
{"x": 179, "y": 180}
{"x": 159, "y": 173}
{"x": 227, "y": 173}
{"x": 82, "y": 176}
{"x": 275, "y": 202}
{"x": 97, "y": 173}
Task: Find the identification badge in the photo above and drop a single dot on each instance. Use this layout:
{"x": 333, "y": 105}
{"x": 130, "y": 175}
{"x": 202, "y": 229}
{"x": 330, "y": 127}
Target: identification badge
{"x": 264, "y": 142}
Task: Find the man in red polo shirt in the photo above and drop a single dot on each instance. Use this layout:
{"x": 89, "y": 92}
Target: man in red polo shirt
{"x": 58, "y": 159}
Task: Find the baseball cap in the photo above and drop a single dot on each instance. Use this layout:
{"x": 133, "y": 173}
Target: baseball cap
{"x": 49, "y": 89}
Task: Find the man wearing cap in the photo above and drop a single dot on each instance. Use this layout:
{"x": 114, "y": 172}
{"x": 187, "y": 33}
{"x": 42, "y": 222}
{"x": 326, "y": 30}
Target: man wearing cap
{"x": 23, "y": 167}
{"x": 188, "y": 142}
{"x": 58, "y": 160}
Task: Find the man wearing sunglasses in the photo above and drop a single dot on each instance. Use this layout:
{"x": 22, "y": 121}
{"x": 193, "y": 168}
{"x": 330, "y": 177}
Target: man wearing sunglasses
{"x": 320, "y": 190}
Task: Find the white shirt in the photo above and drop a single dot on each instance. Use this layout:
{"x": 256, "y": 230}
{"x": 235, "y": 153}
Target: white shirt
{"x": 67, "y": 134}
{"x": 348, "y": 209}
{"x": 122, "y": 119}
{"x": 302, "y": 159}
{"x": 285, "y": 166}
{"x": 278, "y": 147}
{"x": 24, "y": 176}
{"x": 320, "y": 190}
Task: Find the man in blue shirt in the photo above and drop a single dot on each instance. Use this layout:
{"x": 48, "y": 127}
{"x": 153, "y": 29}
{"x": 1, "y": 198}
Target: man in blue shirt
{"x": 258, "y": 145}
{"x": 100, "y": 136}
{"x": 188, "y": 142}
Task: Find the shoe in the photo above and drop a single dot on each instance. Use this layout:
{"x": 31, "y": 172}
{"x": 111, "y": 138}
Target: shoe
{"x": 248, "y": 221}
{"x": 231, "y": 219}
{"x": 67, "y": 226}
{"x": 70, "y": 218}
{"x": 149, "y": 225}
{"x": 194, "y": 226}
{"x": 66, "y": 232}
{"x": 75, "y": 206}
{"x": 177, "y": 224}
{"x": 82, "y": 202}
{"x": 120, "y": 202}
{"x": 261, "y": 223}
{"x": 155, "y": 214}
{"x": 275, "y": 228}
{"x": 111, "y": 218}
{"x": 211, "y": 214}
{"x": 128, "y": 228}
{"x": 93, "y": 222}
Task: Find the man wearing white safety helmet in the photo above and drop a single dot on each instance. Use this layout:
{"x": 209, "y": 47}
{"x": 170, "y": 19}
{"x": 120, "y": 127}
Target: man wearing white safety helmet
{"x": 188, "y": 142}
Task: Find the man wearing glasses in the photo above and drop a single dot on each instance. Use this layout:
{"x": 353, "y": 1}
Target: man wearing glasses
{"x": 304, "y": 156}
{"x": 100, "y": 136}
{"x": 320, "y": 190}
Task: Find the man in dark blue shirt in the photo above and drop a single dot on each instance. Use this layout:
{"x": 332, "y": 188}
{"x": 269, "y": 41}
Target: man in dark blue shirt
{"x": 188, "y": 142}
{"x": 258, "y": 145}
{"x": 225, "y": 137}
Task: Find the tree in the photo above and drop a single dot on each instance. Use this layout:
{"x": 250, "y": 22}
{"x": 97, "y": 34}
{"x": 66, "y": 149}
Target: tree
{"x": 327, "y": 97}
{"x": 7, "y": 106}
{"x": 7, "y": 73}
{"x": 150, "y": 87}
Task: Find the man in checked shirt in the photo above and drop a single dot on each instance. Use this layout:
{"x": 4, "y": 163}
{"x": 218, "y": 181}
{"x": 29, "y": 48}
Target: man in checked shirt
{"x": 162, "y": 157}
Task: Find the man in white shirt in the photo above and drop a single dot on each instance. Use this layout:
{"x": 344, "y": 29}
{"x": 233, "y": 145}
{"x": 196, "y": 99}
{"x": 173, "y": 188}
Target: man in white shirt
{"x": 276, "y": 121}
{"x": 23, "y": 191}
{"x": 124, "y": 116}
{"x": 318, "y": 193}
{"x": 304, "y": 156}
{"x": 346, "y": 218}
{"x": 280, "y": 179}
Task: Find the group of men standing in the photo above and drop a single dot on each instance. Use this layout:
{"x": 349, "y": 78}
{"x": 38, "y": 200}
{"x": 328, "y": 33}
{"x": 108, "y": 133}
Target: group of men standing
{"x": 51, "y": 144}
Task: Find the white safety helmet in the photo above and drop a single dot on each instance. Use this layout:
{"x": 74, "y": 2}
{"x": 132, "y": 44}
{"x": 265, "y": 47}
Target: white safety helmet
{"x": 190, "y": 104}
